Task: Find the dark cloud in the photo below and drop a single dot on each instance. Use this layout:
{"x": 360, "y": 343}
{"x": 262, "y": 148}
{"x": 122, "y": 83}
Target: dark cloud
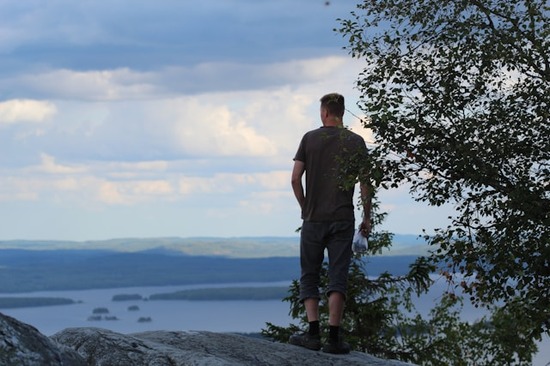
{"x": 145, "y": 35}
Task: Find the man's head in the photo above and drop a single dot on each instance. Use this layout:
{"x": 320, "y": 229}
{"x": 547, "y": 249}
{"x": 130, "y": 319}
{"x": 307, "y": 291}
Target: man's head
{"x": 332, "y": 108}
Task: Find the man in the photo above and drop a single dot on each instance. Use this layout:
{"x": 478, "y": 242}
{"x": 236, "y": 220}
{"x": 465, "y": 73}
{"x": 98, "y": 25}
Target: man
{"x": 330, "y": 157}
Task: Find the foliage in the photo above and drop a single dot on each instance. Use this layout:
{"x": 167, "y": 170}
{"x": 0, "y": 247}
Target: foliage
{"x": 381, "y": 318}
{"x": 458, "y": 96}
{"x": 371, "y": 305}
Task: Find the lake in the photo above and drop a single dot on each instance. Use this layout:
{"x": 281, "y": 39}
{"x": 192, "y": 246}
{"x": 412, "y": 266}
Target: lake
{"x": 216, "y": 316}
{"x": 180, "y": 315}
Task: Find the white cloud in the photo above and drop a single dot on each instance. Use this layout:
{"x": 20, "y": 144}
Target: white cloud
{"x": 261, "y": 123}
{"x": 151, "y": 188}
{"x": 129, "y": 111}
{"x": 267, "y": 202}
{"x": 25, "y": 110}
{"x": 274, "y": 180}
{"x": 117, "y": 84}
{"x": 133, "y": 170}
{"x": 67, "y": 184}
{"x": 314, "y": 69}
{"x": 224, "y": 183}
{"x": 124, "y": 83}
{"x": 14, "y": 188}
{"x": 203, "y": 129}
{"x": 48, "y": 165}
{"x": 88, "y": 191}
{"x": 132, "y": 192}
{"x": 109, "y": 193}
{"x": 356, "y": 126}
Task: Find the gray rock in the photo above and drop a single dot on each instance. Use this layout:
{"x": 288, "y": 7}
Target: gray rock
{"x": 160, "y": 348}
{"x": 23, "y": 345}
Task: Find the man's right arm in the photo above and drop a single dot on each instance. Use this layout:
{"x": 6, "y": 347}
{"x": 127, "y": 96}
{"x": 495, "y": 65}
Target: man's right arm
{"x": 296, "y": 181}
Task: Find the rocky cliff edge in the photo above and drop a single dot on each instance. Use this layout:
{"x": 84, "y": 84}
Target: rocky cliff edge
{"x": 22, "y": 345}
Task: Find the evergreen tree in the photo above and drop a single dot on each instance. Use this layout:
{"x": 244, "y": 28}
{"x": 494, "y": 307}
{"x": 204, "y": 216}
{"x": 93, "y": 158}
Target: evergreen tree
{"x": 381, "y": 317}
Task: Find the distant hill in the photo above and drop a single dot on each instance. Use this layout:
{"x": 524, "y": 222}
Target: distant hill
{"x": 237, "y": 247}
{"x": 27, "y": 265}
{"x": 43, "y": 270}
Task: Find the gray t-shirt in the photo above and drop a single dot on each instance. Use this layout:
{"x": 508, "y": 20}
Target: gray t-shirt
{"x": 332, "y": 156}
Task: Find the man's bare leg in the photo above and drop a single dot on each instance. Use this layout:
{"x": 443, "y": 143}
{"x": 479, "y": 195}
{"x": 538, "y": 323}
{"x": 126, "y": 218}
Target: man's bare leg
{"x": 312, "y": 309}
{"x": 336, "y": 303}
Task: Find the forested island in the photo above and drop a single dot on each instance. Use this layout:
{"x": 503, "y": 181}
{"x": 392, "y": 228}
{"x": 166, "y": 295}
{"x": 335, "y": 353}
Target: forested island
{"x": 225, "y": 294}
{"x": 26, "y": 302}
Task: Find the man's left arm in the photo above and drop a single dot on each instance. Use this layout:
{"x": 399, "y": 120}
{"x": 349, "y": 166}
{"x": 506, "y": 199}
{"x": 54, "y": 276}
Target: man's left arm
{"x": 366, "y": 200}
{"x": 367, "y": 192}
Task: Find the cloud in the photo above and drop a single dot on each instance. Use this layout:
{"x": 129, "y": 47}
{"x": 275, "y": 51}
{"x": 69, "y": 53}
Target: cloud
{"x": 116, "y": 84}
{"x": 208, "y": 77}
{"x": 48, "y": 165}
{"x": 203, "y": 129}
{"x": 25, "y": 111}
{"x": 15, "y": 188}
{"x": 133, "y": 170}
{"x": 133, "y": 192}
{"x": 354, "y": 124}
{"x": 182, "y": 109}
{"x": 234, "y": 182}
{"x": 142, "y": 35}
{"x": 241, "y": 76}
{"x": 85, "y": 191}
{"x": 109, "y": 193}
{"x": 129, "y": 184}
{"x": 108, "y": 147}
{"x": 254, "y": 124}
{"x": 267, "y": 202}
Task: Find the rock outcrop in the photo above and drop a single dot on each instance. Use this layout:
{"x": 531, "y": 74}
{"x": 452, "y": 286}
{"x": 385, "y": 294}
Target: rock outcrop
{"x": 23, "y": 345}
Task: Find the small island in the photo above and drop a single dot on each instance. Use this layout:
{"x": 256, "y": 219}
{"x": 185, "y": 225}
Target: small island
{"x": 127, "y": 297}
{"x": 100, "y": 311}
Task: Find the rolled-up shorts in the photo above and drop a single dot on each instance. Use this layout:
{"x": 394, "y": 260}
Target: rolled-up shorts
{"x": 316, "y": 236}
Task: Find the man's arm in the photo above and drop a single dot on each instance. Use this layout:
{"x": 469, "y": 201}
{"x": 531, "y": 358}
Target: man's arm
{"x": 366, "y": 199}
{"x": 296, "y": 181}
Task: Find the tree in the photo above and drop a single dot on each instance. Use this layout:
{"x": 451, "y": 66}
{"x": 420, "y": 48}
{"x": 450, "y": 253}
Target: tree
{"x": 381, "y": 318}
{"x": 459, "y": 92}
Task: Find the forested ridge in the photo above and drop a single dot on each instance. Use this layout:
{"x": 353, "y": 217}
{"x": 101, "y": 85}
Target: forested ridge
{"x": 47, "y": 270}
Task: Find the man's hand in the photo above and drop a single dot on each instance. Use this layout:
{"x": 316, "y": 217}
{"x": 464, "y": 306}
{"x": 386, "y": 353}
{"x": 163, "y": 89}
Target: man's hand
{"x": 365, "y": 227}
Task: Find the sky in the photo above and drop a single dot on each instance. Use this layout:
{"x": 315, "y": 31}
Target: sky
{"x": 134, "y": 118}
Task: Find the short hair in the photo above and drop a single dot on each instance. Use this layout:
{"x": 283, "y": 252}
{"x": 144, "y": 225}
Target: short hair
{"x": 334, "y": 103}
